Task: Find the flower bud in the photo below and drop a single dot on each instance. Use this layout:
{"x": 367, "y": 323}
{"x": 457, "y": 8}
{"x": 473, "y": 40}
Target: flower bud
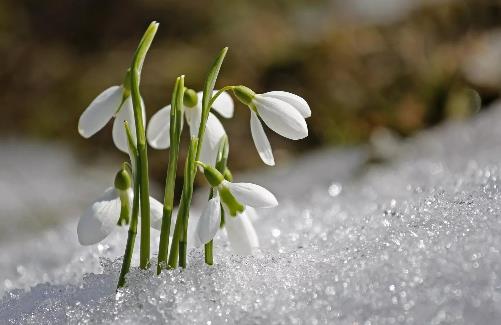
{"x": 234, "y": 207}
{"x": 190, "y": 98}
{"x": 244, "y": 94}
{"x": 122, "y": 180}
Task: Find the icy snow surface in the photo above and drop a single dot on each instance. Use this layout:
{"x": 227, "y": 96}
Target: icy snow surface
{"x": 414, "y": 241}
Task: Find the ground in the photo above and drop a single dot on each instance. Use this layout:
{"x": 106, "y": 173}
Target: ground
{"x": 414, "y": 240}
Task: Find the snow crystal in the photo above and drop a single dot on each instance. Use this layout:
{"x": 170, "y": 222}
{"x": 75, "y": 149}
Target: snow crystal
{"x": 413, "y": 241}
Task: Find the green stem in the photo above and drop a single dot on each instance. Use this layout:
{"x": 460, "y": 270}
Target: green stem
{"x": 208, "y": 248}
{"x": 131, "y": 238}
{"x": 219, "y": 92}
{"x": 136, "y": 67}
{"x": 176, "y": 118}
{"x": 144, "y": 259}
{"x": 179, "y": 239}
{"x": 183, "y": 245}
{"x": 209, "y": 256}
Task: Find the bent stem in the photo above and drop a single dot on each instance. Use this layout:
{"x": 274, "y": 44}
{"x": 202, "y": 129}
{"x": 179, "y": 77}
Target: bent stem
{"x": 131, "y": 237}
{"x": 179, "y": 240}
{"x": 176, "y": 118}
{"x": 142, "y": 162}
{"x": 218, "y": 93}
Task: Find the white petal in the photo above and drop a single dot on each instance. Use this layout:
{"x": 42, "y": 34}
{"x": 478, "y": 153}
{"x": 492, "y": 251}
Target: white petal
{"x": 261, "y": 140}
{"x": 241, "y": 233}
{"x": 281, "y": 117}
{"x": 193, "y": 116}
{"x": 214, "y": 131}
{"x": 156, "y": 212}
{"x": 296, "y": 101}
{"x": 158, "y": 131}
{"x": 119, "y": 137}
{"x": 251, "y": 213}
{"x": 126, "y": 113}
{"x": 251, "y": 194}
{"x": 100, "y": 111}
{"x": 156, "y": 208}
{"x": 100, "y": 218}
{"x": 209, "y": 222}
{"x": 224, "y": 104}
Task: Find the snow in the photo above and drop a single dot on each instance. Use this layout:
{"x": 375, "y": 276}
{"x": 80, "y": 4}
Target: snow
{"x": 415, "y": 240}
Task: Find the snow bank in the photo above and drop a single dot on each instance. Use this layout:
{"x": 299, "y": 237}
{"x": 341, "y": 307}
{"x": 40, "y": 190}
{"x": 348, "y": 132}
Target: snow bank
{"x": 415, "y": 241}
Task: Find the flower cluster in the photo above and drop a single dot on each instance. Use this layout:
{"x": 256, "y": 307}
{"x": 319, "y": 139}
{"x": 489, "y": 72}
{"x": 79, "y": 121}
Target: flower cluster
{"x": 230, "y": 205}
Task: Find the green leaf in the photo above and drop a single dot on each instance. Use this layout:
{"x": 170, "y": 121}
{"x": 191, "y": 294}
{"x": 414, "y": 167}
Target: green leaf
{"x": 144, "y": 46}
{"x": 210, "y": 83}
{"x": 176, "y": 108}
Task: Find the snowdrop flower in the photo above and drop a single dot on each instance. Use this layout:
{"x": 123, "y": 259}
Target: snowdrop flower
{"x": 158, "y": 132}
{"x": 106, "y": 212}
{"x": 234, "y": 197}
{"x": 113, "y": 102}
{"x": 241, "y": 233}
{"x": 283, "y": 112}
{"x": 239, "y": 229}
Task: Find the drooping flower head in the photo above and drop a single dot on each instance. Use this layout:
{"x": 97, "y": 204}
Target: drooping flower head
{"x": 114, "y": 102}
{"x": 281, "y": 111}
{"x": 241, "y": 233}
{"x": 107, "y": 212}
{"x": 158, "y": 132}
{"x": 235, "y": 198}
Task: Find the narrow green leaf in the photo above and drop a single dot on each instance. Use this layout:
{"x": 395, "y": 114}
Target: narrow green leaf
{"x": 144, "y": 46}
{"x": 178, "y": 104}
{"x": 210, "y": 83}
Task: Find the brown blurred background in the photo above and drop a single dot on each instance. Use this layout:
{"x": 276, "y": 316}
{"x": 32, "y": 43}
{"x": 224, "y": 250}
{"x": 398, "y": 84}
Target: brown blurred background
{"x": 361, "y": 64}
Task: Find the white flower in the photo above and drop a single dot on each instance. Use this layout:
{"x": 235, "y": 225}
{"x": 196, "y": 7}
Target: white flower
{"x": 236, "y": 198}
{"x": 209, "y": 222}
{"x": 281, "y": 111}
{"x": 239, "y": 229}
{"x": 158, "y": 132}
{"x": 108, "y": 104}
{"x": 249, "y": 194}
{"x": 100, "y": 219}
{"x": 241, "y": 233}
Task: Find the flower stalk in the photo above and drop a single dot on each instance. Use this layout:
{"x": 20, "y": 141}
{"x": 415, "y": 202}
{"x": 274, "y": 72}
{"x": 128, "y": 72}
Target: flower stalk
{"x": 176, "y": 118}
{"x": 186, "y": 202}
{"x": 131, "y": 237}
{"x": 180, "y": 238}
{"x": 142, "y": 161}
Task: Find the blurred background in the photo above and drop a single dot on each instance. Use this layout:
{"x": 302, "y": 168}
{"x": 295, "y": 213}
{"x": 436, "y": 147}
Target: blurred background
{"x": 363, "y": 66}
